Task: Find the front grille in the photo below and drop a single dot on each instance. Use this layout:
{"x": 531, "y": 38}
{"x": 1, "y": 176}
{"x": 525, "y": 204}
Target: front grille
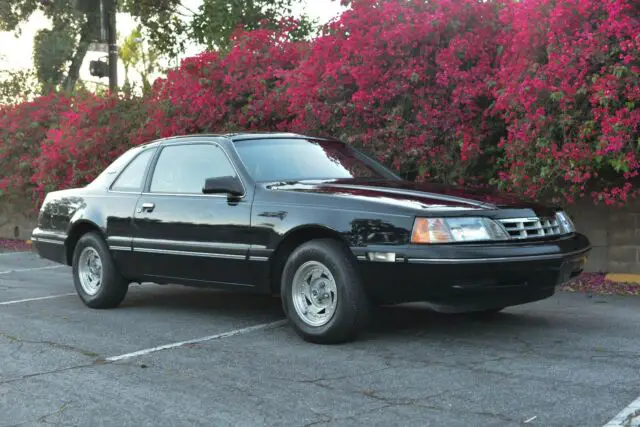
{"x": 528, "y": 228}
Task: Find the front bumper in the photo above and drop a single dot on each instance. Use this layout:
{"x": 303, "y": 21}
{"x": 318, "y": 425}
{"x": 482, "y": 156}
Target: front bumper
{"x": 474, "y": 276}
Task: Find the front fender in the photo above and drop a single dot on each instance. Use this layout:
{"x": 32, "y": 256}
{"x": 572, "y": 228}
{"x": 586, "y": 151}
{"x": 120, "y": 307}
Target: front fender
{"x": 273, "y": 222}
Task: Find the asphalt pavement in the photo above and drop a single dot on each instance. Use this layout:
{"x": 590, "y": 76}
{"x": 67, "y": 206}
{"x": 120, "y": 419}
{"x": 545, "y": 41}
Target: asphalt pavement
{"x": 172, "y": 355}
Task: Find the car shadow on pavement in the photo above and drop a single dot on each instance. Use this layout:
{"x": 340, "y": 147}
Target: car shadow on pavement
{"x": 203, "y": 301}
{"x": 419, "y": 319}
{"x": 404, "y": 319}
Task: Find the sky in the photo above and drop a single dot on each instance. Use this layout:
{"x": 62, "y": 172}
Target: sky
{"x": 16, "y": 53}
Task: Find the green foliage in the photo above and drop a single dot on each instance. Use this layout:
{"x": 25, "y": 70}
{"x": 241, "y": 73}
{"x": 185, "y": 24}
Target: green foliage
{"x": 168, "y": 24}
{"x": 163, "y": 23}
{"x": 59, "y": 50}
{"x": 17, "y": 86}
{"x": 51, "y": 51}
{"x": 14, "y": 12}
{"x": 217, "y": 20}
{"x": 136, "y": 54}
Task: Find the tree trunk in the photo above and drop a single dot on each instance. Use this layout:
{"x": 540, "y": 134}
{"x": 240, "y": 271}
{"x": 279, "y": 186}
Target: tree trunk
{"x": 81, "y": 52}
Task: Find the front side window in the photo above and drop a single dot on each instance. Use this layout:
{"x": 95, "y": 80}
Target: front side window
{"x": 299, "y": 159}
{"x": 131, "y": 177}
{"x": 183, "y": 169}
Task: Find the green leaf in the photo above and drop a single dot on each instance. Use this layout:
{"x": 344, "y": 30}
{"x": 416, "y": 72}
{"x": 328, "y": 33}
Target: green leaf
{"x": 619, "y": 71}
{"x": 557, "y": 96}
{"x": 619, "y": 164}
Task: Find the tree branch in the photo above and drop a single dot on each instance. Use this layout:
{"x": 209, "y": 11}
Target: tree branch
{"x": 187, "y": 9}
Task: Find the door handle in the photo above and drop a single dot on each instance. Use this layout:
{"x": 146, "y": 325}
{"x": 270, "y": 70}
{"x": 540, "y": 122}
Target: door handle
{"x": 147, "y": 207}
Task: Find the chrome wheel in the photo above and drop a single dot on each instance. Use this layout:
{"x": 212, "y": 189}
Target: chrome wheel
{"x": 90, "y": 270}
{"x": 314, "y": 293}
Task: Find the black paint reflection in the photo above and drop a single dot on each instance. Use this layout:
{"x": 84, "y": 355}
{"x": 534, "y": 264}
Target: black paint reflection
{"x": 372, "y": 231}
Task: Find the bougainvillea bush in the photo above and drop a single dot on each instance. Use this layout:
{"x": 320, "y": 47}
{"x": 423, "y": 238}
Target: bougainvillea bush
{"x": 90, "y": 135}
{"x": 538, "y": 97}
{"x": 241, "y": 90}
{"x": 22, "y": 128}
{"x": 568, "y": 88}
{"x": 406, "y": 80}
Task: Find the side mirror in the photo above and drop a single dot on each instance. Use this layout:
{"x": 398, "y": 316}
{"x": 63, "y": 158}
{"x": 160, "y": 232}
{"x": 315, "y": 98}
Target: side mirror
{"x": 230, "y": 185}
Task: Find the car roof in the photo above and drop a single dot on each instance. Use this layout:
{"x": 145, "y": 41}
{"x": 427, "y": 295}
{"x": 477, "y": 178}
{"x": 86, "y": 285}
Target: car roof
{"x": 244, "y": 136}
{"x": 233, "y": 137}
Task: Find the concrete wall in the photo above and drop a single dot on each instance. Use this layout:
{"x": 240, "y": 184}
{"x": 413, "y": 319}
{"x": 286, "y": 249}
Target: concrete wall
{"x": 14, "y": 223}
{"x": 614, "y": 233}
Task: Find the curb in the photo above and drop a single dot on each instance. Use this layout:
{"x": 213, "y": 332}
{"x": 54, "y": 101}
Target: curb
{"x": 623, "y": 278}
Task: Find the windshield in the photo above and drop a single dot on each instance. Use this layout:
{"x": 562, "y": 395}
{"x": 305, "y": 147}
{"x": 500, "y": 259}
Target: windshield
{"x": 303, "y": 159}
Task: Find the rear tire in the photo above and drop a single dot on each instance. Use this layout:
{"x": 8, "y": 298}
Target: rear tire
{"x": 322, "y": 294}
{"x": 96, "y": 279}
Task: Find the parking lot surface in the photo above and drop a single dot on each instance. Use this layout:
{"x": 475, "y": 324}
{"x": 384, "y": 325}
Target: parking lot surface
{"x": 172, "y": 355}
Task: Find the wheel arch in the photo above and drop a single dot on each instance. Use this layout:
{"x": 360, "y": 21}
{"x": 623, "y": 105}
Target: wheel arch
{"x": 291, "y": 241}
{"x": 77, "y": 230}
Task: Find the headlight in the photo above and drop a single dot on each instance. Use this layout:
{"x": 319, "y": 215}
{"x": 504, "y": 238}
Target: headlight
{"x": 447, "y": 230}
{"x": 565, "y": 222}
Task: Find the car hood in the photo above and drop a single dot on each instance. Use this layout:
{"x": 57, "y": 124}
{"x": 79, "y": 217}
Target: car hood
{"x": 412, "y": 194}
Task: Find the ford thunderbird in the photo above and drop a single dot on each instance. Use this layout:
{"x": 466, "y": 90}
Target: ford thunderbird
{"x": 325, "y": 227}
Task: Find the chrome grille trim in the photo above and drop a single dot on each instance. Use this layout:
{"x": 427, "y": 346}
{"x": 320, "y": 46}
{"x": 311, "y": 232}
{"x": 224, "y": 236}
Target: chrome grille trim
{"x": 529, "y": 228}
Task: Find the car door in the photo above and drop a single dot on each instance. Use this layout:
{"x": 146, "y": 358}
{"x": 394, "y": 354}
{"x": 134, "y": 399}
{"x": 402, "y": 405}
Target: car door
{"x": 120, "y": 202}
{"x": 183, "y": 235}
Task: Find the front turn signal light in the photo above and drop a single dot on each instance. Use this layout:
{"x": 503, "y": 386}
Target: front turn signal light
{"x": 430, "y": 230}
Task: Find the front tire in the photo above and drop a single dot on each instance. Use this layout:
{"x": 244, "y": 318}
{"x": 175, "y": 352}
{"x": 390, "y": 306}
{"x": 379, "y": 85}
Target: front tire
{"x": 96, "y": 279}
{"x": 322, "y": 294}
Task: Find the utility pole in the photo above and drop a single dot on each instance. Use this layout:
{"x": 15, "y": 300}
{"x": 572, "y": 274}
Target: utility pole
{"x": 112, "y": 36}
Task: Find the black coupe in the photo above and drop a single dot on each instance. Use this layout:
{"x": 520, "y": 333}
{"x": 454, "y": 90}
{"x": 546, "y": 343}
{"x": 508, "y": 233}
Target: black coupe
{"x": 313, "y": 220}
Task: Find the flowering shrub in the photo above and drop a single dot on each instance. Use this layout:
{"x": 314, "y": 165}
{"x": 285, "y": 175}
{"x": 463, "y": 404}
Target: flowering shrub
{"x": 241, "y": 90}
{"x": 539, "y": 97}
{"x": 569, "y": 91}
{"x": 92, "y": 133}
{"x": 407, "y": 80}
{"x": 22, "y": 128}
{"x": 244, "y": 89}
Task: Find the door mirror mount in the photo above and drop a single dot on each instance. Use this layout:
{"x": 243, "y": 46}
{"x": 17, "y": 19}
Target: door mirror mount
{"x": 229, "y": 185}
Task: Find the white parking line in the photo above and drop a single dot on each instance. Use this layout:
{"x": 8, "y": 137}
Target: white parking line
{"x": 14, "y": 253}
{"x": 18, "y": 301}
{"x": 18, "y": 270}
{"x": 628, "y": 417}
{"x": 196, "y": 340}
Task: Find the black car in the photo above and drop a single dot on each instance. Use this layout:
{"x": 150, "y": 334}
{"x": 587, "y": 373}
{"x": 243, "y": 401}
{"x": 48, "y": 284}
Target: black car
{"x": 313, "y": 220}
